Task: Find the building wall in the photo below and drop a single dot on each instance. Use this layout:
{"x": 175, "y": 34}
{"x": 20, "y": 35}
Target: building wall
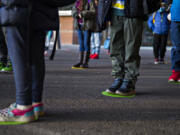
{"x": 67, "y": 32}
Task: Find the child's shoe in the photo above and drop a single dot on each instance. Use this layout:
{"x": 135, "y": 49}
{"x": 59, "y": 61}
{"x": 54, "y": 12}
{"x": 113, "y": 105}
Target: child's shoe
{"x": 77, "y": 66}
{"x": 96, "y": 56}
{"x": 38, "y": 110}
{"x": 156, "y": 61}
{"x": 13, "y": 116}
{"x": 161, "y": 61}
{"x": 115, "y": 85}
{"x": 178, "y": 81}
{"x": 174, "y": 77}
{"x": 2, "y": 65}
{"x": 84, "y": 66}
{"x": 7, "y": 68}
{"x": 127, "y": 88}
{"x": 91, "y": 56}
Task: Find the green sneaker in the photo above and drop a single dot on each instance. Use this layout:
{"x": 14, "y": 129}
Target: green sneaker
{"x": 7, "y": 68}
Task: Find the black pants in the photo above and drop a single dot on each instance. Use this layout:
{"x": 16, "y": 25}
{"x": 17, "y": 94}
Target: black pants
{"x": 3, "y": 47}
{"x": 159, "y": 45}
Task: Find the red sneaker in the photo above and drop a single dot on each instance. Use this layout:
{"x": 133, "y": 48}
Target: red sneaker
{"x": 96, "y": 56}
{"x": 175, "y": 76}
{"x": 91, "y": 56}
{"x": 178, "y": 81}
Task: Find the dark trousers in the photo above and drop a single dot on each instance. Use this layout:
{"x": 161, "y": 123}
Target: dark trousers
{"x": 28, "y": 78}
{"x": 3, "y": 47}
{"x": 159, "y": 45}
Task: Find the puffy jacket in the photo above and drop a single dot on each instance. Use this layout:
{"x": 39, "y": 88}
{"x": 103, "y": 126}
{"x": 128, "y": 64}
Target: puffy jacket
{"x": 88, "y": 14}
{"x": 175, "y": 10}
{"x": 161, "y": 24}
{"x": 15, "y": 12}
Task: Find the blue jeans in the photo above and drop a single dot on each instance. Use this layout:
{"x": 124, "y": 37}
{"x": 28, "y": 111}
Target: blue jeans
{"x": 95, "y": 43}
{"x": 84, "y": 40}
{"x": 175, "y": 52}
{"x": 28, "y": 78}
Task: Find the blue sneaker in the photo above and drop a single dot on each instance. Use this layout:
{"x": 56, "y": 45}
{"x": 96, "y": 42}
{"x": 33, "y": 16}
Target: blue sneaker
{"x": 115, "y": 85}
{"x": 127, "y": 88}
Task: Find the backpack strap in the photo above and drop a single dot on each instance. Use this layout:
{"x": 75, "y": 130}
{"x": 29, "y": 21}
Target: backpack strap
{"x": 54, "y": 46}
{"x": 154, "y": 15}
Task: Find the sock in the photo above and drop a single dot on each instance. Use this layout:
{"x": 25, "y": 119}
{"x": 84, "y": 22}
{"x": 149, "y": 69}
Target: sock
{"x": 23, "y": 107}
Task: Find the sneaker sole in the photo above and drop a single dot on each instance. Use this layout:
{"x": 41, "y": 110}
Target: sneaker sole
{"x": 116, "y": 95}
{"x": 18, "y": 121}
{"x": 126, "y": 94}
{"x": 78, "y": 68}
{"x": 110, "y": 92}
{"x": 174, "y": 82}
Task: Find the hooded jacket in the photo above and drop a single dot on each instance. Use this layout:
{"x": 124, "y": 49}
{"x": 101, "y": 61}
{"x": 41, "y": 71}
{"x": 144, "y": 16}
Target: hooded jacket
{"x": 159, "y": 23}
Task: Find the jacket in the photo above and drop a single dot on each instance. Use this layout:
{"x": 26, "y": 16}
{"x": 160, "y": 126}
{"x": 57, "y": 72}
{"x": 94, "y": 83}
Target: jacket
{"x": 15, "y": 13}
{"x": 159, "y": 23}
{"x": 133, "y": 9}
{"x": 175, "y": 10}
{"x": 88, "y": 14}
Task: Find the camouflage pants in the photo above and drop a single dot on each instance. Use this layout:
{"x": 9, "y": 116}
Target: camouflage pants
{"x": 126, "y": 37}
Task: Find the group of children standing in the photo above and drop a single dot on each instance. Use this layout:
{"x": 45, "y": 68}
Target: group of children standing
{"x": 126, "y": 36}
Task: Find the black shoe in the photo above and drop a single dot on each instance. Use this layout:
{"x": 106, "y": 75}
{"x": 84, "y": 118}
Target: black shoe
{"x": 115, "y": 85}
{"x": 161, "y": 61}
{"x": 85, "y": 65}
{"x": 127, "y": 88}
{"x": 78, "y": 65}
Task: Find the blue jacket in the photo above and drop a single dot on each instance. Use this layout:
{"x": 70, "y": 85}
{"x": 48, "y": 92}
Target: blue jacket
{"x": 175, "y": 10}
{"x": 161, "y": 24}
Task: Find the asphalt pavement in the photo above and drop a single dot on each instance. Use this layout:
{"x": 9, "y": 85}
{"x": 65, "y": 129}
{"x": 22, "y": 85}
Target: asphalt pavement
{"x": 74, "y": 104}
